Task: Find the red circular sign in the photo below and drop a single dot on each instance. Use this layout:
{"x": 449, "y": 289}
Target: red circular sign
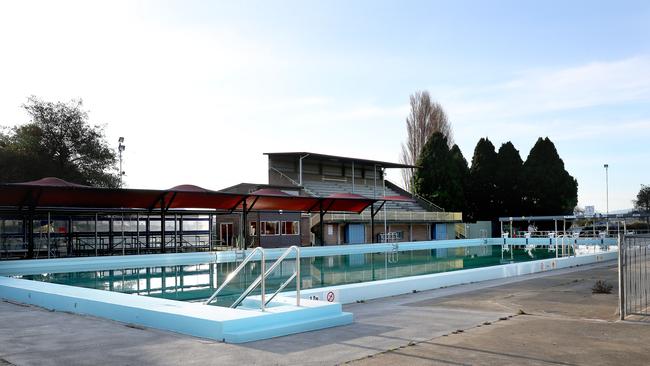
{"x": 330, "y": 296}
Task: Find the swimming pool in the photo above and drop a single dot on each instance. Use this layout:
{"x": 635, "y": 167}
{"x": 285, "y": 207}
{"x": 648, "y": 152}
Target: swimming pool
{"x": 109, "y": 286}
{"x": 196, "y": 282}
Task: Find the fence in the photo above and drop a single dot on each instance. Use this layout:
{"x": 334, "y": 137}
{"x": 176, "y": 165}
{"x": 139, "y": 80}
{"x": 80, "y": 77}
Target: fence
{"x": 633, "y": 280}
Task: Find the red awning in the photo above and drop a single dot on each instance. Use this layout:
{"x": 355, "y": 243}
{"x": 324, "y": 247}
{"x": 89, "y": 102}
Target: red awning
{"x": 57, "y": 193}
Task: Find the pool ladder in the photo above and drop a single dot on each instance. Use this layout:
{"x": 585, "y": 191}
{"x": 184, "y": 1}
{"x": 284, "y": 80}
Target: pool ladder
{"x": 393, "y": 255}
{"x": 261, "y": 279}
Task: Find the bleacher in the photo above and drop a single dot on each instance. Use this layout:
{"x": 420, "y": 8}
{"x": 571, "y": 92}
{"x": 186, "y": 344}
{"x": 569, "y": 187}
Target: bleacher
{"x": 329, "y": 187}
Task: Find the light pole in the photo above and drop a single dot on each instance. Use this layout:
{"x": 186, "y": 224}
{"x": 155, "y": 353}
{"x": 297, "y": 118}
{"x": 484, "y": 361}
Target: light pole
{"x": 120, "y": 148}
{"x": 607, "y": 198}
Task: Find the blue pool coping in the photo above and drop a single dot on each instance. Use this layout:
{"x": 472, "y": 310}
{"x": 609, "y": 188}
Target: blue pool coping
{"x": 62, "y": 265}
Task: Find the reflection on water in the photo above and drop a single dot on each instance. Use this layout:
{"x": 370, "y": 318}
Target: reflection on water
{"x": 199, "y": 281}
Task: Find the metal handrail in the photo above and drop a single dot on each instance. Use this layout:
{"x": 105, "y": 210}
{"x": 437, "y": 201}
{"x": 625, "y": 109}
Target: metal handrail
{"x": 237, "y": 270}
{"x": 261, "y": 279}
{"x": 293, "y": 181}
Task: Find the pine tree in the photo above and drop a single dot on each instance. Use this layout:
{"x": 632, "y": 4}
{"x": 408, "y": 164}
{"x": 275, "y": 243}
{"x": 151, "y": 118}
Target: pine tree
{"x": 439, "y": 178}
{"x": 508, "y": 180}
{"x": 548, "y": 188}
{"x": 482, "y": 188}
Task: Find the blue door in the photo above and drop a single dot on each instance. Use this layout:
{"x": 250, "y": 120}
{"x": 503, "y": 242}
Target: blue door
{"x": 355, "y": 234}
{"x": 440, "y": 232}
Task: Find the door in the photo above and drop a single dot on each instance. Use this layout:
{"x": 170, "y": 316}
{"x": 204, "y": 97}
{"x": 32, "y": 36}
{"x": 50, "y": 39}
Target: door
{"x": 440, "y": 232}
{"x": 226, "y": 233}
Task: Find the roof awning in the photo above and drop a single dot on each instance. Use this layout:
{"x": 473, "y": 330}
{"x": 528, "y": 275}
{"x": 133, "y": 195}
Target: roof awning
{"x": 56, "y": 193}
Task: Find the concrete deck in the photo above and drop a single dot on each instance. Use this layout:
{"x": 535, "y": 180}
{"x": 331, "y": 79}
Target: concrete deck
{"x": 563, "y": 324}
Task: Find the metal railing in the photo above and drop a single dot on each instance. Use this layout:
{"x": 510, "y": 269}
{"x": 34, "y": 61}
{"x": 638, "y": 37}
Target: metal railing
{"x": 261, "y": 279}
{"x": 633, "y": 275}
{"x": 296, "y": 274}
{"x": 241, "y": 266}
{"x": 292, "y": 181}
{"x": 397, "y": 216}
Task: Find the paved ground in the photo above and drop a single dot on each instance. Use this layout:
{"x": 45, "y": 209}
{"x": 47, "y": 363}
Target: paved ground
{"x": 549, "y": 318}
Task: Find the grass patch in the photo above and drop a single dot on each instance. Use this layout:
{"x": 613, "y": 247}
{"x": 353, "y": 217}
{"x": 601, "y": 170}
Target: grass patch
{"x": 602, "y": 287}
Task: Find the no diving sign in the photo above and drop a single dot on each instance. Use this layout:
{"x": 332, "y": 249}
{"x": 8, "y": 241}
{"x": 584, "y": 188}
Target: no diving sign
{"x": 330, "y": 296}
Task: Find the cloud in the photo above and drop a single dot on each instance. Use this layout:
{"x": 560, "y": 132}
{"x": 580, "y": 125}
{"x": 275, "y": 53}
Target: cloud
{"x": 539, "y": 91}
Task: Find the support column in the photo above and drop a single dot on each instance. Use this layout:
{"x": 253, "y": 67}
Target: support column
{"x": 210, "y": 229}
{"x": 147, "y": 232}
{"x": 244, "y": 232}
{"x": 372, "y": 223}
{"x": 162, "y": 226}
{"x": 30, "y": 235}
{"x": 111, "y": 241}
{"x": 322, "y": 231}
{"x": 96, "y": 241}
{"x": 69, "y": 236}
{"x": 180, "y": 231}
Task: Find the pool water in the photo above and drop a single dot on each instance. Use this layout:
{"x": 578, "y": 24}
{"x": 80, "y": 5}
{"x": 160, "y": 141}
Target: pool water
{"x": 198, "y": 281}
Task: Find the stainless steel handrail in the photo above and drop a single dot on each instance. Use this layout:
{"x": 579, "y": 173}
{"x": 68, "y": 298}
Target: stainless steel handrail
{"x": 261, "y": 279}
{"x": 237, "y": 270}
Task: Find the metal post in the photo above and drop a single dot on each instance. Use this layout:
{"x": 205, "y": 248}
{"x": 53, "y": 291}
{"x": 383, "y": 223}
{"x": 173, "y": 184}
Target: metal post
{"x": 111, "y": 240}
{"x": 607, "y": 199}
{"x": 30, "y": 236}
{"x": 123, "y": 238}
{"x": 244, "y": 235}
{"x": 263, "y": 284}
{"x": 353, "y": 176}
{"x": 96, "y": 241}
{"x": 298, "y": 279}
{"x": 48, "y": 233}
{"x": 372, "y": 223}
{"x": 322, "y": 218}
{"x": 162, "y": 232}
{"x": 621, "y": 280}
{"x": 210, "y": 232}
{"x": 383, "y": 182}
{"x": 137, "y": 231}
{"x": 175, "y": 235}
{"x": 147, "y": 232}
{"x": 556, "y": 248}
{"x": 180, "y": 231}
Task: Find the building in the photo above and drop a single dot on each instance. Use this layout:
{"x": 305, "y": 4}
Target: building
{"x": 397, "y": 216}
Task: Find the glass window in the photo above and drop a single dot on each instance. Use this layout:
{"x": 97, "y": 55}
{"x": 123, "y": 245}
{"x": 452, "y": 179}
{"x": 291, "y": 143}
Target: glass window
{"x": 290, "y": 228}
{"x": 270, "y": 227}
{"x": 253, "y": 228}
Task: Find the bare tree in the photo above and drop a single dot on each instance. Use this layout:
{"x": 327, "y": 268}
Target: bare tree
{"x": 425, "y": 118}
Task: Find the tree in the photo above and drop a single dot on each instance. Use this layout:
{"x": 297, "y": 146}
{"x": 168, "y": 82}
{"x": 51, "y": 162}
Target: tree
{"x": 548, "y": 189}
{"x": 440, "y": 177}
{"x": 58, "y": 141}
{"x": 426, "y": 117}
{"x": 482, "y": 188}
{"x": 642, "y": 202}
{"x": 507, "y": 179}
{"x": 460, "y": 170}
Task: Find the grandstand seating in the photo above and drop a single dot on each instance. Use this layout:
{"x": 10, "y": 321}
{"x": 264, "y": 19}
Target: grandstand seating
{"x": 329, "y": 187}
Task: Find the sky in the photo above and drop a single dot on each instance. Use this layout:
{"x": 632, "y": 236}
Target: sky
{"x": 200, "y": 90}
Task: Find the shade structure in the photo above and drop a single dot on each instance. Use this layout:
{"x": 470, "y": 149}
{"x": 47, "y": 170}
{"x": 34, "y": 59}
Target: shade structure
{"x": 57, "y": 193}
{"x": 346, "y": 202}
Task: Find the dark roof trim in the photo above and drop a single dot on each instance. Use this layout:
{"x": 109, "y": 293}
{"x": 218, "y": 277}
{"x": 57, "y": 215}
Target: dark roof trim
{"x": 334, "y": 158}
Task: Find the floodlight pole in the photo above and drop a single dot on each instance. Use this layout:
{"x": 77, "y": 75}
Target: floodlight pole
{"x": 120, "y": 148}
{"x": 607, "y": 198}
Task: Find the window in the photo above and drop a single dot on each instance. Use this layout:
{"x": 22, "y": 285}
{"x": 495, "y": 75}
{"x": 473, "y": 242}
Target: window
{"x": 290, "y": 227}
{"x": 253, "y": 229}
{"x": 270, "y": 227}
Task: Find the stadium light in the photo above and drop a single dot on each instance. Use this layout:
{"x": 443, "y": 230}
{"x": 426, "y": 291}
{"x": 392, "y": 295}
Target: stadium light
{"x": 120, "y": 148}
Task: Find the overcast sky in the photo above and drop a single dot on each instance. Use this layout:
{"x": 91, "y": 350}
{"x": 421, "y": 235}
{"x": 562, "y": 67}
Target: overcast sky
{"x": 201, "y": 89}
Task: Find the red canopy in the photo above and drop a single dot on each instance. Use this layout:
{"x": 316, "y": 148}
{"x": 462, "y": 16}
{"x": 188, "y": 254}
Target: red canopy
{"x": 57, "y": 193}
